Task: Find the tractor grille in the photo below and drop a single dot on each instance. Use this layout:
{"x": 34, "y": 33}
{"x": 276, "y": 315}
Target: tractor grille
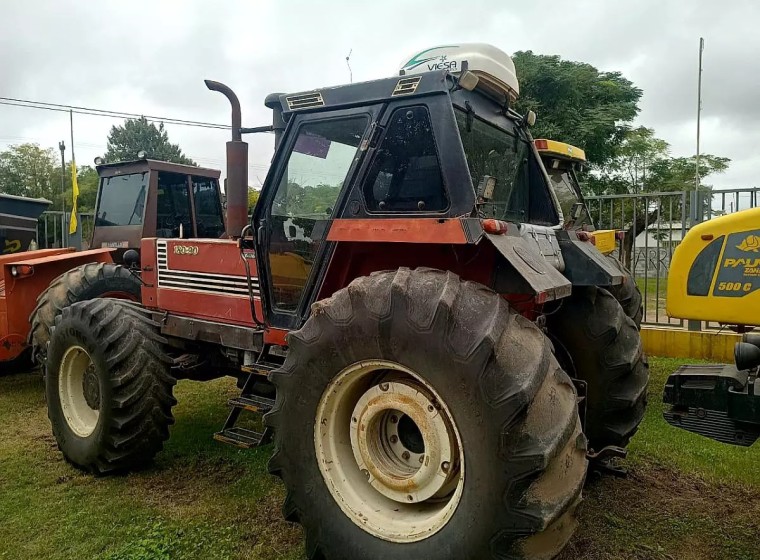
{"x": 305, "y": 100}
{"x": 200, "y": 281}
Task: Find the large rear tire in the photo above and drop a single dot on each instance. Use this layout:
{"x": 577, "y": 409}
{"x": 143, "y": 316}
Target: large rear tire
{"x": 89, "y": 281}
{"x": 108, "y": 386}
{"x": 602, "y": 347}
{"x": 419, "y": 416}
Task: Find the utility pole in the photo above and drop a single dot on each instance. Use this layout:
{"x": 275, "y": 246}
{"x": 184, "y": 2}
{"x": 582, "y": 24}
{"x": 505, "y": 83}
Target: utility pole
{"x": 62, "y": 147}
{"x": 699, "y": 108}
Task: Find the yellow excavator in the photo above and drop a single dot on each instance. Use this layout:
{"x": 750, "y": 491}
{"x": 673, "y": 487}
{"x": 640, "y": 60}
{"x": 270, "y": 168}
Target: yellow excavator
{"x": 715, "y": 276}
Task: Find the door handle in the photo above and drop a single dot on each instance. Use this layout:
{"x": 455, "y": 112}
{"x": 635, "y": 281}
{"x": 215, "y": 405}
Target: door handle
{"x": 261, "y": 233}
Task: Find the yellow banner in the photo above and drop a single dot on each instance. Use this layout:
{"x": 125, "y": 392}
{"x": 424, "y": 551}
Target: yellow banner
{"x": 75, "y": 194}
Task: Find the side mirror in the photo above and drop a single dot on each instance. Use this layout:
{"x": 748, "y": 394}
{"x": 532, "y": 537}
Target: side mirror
{"x": 529, "y": 118}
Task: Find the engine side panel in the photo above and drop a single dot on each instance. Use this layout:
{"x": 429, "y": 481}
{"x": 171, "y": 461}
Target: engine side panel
{"x": 202, "y": 278}
{"x": 715, "y": 271}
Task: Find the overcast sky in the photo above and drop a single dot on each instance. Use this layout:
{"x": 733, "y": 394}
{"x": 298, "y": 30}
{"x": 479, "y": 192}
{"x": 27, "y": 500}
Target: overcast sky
{"x": 151, "y": 57}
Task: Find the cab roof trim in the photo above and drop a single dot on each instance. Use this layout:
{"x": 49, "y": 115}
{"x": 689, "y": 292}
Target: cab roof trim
{"x": 365, "y": 93}
{"x": 138, "y": 165}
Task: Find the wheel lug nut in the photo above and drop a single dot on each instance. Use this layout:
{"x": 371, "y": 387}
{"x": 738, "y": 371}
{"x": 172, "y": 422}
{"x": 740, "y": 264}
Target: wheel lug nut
{"x": 394, "y": 419}
{"x": 394, "y": 439}
{"x": 405, "y": 455}
{"x": 384, "y": 386}
{"x": 445, "y": 466}
{"x": 365, "y": 472}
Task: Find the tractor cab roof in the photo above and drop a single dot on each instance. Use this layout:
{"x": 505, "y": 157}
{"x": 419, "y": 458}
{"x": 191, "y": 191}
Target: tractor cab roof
{"x": 560, "y": 150}
{"x": 144, "y": 165}
{"x": 474, "y": 67}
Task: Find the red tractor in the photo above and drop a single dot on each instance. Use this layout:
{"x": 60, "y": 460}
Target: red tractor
{"x": 446, "y": 358}
{"x": 136, "y": 199}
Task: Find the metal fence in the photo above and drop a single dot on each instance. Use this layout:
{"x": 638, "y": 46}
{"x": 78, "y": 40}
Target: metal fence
{"x": 654, "y": 225}
{"x": 53, "y": 230}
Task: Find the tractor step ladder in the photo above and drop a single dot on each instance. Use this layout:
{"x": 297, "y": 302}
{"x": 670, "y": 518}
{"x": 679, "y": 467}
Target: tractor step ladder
{"x": 248, "y": 402}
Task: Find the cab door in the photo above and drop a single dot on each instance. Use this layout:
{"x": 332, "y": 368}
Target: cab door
{"x": 303, "y": 192}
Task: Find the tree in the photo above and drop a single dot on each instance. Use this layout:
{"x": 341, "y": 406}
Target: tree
{"x": 29, "y": 170}
{"x": 253, "y": 198}
{"x": 643, "y": 165}
{"x": 576, "y": 103}
{"x": 88, "y": 182}
{"x": 135, "y": 135}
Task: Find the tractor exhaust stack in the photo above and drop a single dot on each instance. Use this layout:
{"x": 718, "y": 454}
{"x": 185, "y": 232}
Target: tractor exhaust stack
{"x": 237, "y": 166}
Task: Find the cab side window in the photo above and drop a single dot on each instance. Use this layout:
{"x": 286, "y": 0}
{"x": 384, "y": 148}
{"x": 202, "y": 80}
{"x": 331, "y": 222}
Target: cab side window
{"x": 208, "y": 207}
{"x": 405, "y": 175}
{"x": 173, "y": 206}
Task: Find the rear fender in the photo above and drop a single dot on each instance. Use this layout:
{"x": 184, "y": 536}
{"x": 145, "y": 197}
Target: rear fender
{"x": 584, "y": 264}
{"x": 525, "y": 270}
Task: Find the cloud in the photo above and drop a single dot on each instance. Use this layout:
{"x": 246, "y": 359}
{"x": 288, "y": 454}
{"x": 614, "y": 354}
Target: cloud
{"x": 151, "y": 57}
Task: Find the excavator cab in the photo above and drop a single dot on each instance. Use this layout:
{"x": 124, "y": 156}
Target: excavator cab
{"x": 149, "y": 198}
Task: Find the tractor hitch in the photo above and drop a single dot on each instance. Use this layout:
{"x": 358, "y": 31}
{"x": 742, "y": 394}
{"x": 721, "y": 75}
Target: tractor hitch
{"x": 716, "y": 401}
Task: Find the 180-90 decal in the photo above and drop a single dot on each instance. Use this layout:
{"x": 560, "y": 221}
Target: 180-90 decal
{"x": 739, "y": 272}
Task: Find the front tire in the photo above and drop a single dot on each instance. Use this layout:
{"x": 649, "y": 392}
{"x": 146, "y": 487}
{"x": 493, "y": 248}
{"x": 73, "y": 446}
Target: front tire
{"x": 108, "y": 386}
{"x": 485, "y": 458}
{"x": 89, "y": 281}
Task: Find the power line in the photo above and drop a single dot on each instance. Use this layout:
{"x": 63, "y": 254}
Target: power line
{"x": 15, "y": 102}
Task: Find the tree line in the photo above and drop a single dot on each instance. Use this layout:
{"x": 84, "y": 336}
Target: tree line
{"x": 33, "y": 171}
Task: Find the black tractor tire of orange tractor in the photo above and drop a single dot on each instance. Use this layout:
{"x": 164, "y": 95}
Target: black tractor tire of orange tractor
{"x": 134, "y": 385}
{"x": 601, "y": 346}
{"x": 515, "y": 408}
{"x": 89, "y": 281}
{"x": 628, "y": 293}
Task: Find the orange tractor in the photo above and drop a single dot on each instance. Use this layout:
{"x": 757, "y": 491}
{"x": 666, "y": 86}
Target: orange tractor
{"x": 436, "y": 357}
{"x": 137, "y": 199}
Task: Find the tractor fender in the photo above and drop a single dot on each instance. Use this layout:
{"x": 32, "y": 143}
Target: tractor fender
{"x": 584, "y": 264}
{"x": 524, "y": 269}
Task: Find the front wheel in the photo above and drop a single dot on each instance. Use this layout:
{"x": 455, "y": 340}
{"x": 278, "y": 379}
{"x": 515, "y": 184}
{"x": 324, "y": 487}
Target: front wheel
{"x": 418, "y": 416}
{"x": 108, "y": 386}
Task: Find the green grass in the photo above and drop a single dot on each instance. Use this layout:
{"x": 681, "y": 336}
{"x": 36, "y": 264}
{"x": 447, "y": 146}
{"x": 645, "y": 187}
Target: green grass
{"x": 685, "y": 497}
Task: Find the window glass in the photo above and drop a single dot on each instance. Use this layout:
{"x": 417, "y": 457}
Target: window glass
{"x": 122, "y": 200}
{"x": 405, "y": 174}
{"x": 173, "y": 206}
{"x": 208, "y": 207}
{"x": 502, "y": 156}
{"x": 566, "y": 188}
{"x": 305, "y": 199}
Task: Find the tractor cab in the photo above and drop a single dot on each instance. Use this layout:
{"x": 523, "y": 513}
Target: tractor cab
{"x": 562, "y": 162}
{"x": 439, "y": 141}
{"x": 149, "y": 198}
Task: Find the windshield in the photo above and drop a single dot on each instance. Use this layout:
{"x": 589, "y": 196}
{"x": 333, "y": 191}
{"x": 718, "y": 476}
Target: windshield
{"x": 122, "y": 200}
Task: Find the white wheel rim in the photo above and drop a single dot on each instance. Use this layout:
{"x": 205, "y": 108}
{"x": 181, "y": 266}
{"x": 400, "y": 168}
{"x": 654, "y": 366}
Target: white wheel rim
{"x": 79, "y": 391}
{"x": 389, "y": 451}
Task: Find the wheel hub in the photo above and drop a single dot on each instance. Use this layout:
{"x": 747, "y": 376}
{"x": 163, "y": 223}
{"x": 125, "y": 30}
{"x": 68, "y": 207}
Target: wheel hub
{"x": 401, "y": 442}
{"x": 79, "y": 391}
{"x": 91, "y": 388}
{"x": 389, "y": 451}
